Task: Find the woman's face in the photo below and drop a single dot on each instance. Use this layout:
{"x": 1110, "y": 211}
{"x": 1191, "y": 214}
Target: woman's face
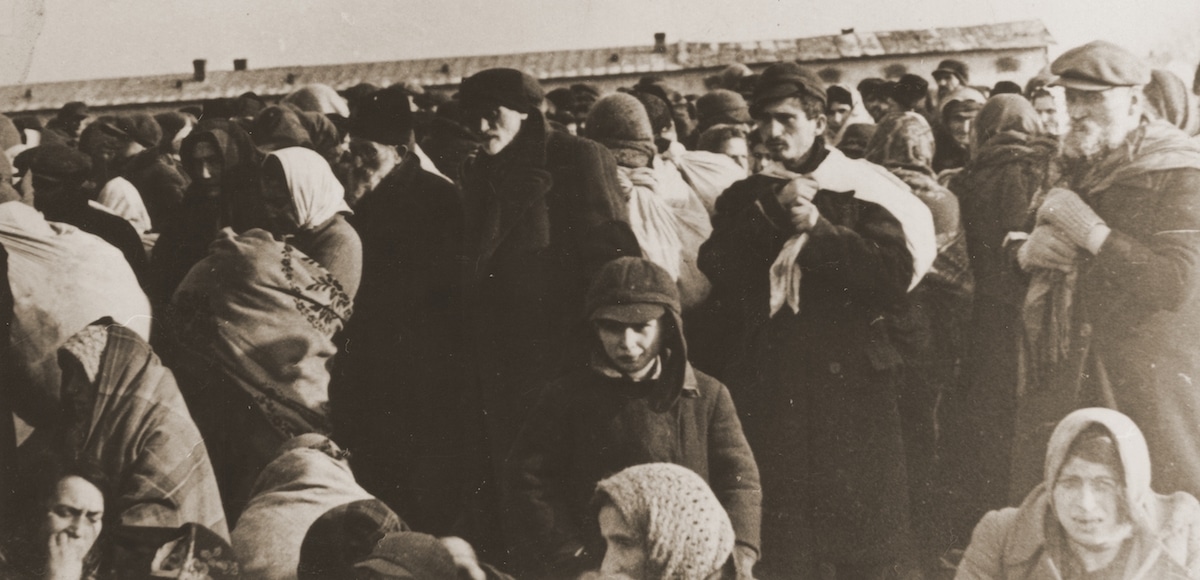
{"x": 1087, "y": 502}
{"x": 277, "y": 201}
{"x": 625, "y": 552}
{"x": 76, "y": 509}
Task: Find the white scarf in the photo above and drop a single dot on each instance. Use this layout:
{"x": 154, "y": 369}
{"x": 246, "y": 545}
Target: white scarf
{"x": 870, "y": 183}
{"x": 317, "y": 194}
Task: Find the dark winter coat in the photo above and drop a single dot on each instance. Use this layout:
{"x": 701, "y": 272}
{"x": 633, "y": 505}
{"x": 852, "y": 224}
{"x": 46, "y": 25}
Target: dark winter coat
{"x": 997, "y": 191}
{"x": 541, "y": 216}
{"x": 395, "y": 392}
{"x": 1136, "y": 310}
{"x": 816, "y": 390}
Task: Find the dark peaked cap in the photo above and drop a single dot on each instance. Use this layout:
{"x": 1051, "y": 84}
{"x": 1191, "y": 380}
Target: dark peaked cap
{"x": 787, "y": 79}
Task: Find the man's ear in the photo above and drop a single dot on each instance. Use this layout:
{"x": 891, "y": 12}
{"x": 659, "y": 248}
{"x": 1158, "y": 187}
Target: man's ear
{"x": 400, "y": 151}
{"x": 1137, "y": 101}
{"x": 822, "y": 123}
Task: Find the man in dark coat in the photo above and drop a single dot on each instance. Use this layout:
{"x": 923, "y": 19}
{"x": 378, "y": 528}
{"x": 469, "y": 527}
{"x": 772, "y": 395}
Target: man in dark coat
{"x": 543, "y": 212}
{"x": 1113, "y": 311}
{"x": 395, "y": 395}
{"x": 806, "y": 262}
{"x": 58, "y": 174}
{"x": 637, "y": 400}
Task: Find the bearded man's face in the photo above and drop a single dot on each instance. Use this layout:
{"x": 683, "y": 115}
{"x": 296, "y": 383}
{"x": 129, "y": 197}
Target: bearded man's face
{"x": 1100, "y": 120}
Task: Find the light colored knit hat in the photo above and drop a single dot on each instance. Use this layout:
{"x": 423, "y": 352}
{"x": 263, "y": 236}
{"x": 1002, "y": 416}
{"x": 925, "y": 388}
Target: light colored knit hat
{"x": 688, "y": 534}
{"x": 620, "y": 122}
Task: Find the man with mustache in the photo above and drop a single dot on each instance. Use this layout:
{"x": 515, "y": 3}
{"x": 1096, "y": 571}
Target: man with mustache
{"x": 806, "y": 261}
{"x": 1113, "y": 312}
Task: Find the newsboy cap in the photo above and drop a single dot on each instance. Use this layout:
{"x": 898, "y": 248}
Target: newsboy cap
{"x": 509, "y": 88}
{"x": 787, "y": 79}
{"x": 1097, "y": 66}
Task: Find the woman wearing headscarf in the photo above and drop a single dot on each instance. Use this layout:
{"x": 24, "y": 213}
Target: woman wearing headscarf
{"x": 996, "y": 191}
{"x": 304, "y": 204}
{"x": 1094, "y": 515}
{"x": 929, "y": 333}
{"x": 845, "y": 108}
{"x": 251, "y": 326}
{"x": 123, "y": 412}
{"x": 223, "y": 165}
{"x": 1167, "y": 98}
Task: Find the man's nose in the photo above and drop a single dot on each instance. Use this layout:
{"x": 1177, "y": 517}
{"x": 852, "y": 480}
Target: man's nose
{"x": 205, "y": 172}
{"x": 1087, "y": 497}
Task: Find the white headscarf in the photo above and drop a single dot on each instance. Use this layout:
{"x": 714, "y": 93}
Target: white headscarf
{"x": 317, "y": 194}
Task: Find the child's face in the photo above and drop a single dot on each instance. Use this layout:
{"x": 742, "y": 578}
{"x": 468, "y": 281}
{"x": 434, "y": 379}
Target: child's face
{"x": 630, "y": 347}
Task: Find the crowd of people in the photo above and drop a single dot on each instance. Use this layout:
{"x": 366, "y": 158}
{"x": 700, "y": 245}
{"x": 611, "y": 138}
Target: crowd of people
{"x": 783, "y": 329}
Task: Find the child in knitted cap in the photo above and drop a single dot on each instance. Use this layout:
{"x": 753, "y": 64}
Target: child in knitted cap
{"x": 637, "y": 401}
{"x": 662, "y": 522}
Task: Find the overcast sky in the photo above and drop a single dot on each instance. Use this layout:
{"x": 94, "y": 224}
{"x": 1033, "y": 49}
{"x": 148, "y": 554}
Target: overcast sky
{"x": 108, "y": 38}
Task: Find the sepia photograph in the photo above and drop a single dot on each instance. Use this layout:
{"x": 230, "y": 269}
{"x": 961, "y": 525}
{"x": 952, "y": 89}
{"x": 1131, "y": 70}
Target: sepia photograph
{"x": 599, "y": 290}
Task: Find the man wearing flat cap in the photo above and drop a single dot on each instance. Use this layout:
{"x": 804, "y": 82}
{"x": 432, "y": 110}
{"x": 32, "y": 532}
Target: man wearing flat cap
{"x": 1113, "y": 313}
{"x": 806, "y": 261}
{"x": 392, "y": 397}
{"x": 543, "y": 211}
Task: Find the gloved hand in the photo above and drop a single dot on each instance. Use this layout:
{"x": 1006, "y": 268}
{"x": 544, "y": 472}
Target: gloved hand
{"x": 1073, "y": 217}
{"x": 1048, "y": 248}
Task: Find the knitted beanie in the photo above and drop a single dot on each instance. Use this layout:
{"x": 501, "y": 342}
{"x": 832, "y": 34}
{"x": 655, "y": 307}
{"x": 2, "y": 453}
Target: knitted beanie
{"x": 688, "y": 535}
{"x": 839, "y": 94}
{"x": 619, "y": 122}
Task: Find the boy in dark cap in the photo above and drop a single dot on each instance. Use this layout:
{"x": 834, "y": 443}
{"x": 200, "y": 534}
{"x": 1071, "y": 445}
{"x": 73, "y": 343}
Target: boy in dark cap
{"x": 805, "y": 259}
{"x": 950, "y": 74}
{"x": 637, "y": 400}
{"x": 543, "y": 212}
{"x": 58, "y": 173}
{"x": 874, "y": 92}
{"x": 1127, "y": 223}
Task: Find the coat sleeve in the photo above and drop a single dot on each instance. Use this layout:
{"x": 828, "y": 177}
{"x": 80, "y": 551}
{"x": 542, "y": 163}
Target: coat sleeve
{"x": 733, "y": 473}
{"x": 599, "y": 214}
{"x": 983, "y": 558}
{"x": 1161, "y": 272}
{"x": 547, "y": 536}
{"x": 870, "y": 260}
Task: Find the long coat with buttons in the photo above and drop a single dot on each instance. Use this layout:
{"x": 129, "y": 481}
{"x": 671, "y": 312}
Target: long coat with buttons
{"x": 816, "y": 390}
{"x": 1135, "y": 332}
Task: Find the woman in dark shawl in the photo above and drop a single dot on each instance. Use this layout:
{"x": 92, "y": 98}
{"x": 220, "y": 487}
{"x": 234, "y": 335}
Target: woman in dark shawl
{"x": 997, "y": 191}
{"x": 929, "y": 333}
{"x": 223, "y": 165}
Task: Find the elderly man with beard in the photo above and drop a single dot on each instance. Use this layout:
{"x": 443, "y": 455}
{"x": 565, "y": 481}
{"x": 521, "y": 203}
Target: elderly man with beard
{"x": 1112, "y": 313}
{"x": 394, "y": 395}
{"x": 807, "y": 259}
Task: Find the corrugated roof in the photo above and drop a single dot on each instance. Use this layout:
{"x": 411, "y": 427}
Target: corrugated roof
{"x": 544, "y": 65}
